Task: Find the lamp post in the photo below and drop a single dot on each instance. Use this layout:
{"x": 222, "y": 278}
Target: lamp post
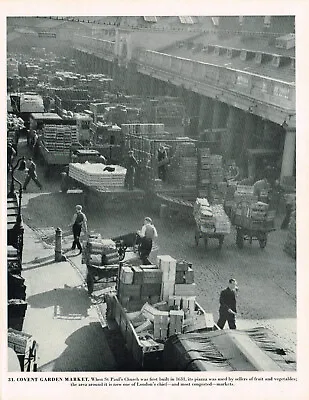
{"x": 18, "y": 229}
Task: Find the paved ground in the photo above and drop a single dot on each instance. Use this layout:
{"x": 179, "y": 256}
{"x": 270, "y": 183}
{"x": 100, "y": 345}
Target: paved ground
{"x": 267, "y": 278}
{"x": 63, "y": 319}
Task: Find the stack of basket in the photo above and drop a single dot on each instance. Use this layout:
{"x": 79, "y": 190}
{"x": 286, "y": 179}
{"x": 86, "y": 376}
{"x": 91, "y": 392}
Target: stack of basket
{"x": 290, "y": 244}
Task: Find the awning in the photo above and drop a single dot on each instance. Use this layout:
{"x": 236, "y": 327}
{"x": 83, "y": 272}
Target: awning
{"x": 227, "y": 350}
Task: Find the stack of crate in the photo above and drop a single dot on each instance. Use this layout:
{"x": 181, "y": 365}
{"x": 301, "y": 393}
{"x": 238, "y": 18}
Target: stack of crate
{"x": 59, "y": 138}
{"x": 290, "y": 244}
{"x": 167, "y": 265}
{"x": 210, "y": 174}
{"x": 187, "y": 173}
{"x": 139, "y": 285}
{"x": 142, "y": 129}
{"x": 100, "y": 252}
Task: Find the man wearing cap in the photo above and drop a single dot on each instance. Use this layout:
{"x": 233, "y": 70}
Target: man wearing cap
{"x": 79, "y": 221}
{"x": 147, "y": 234}
{"x": 227, "y": 310}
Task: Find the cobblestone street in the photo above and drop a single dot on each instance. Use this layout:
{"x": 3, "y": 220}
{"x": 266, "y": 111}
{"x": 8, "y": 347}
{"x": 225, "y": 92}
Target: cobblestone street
{"x": 266, "y": 278}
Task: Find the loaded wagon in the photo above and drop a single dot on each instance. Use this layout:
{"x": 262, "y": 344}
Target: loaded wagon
{"x": 252, "y": 222}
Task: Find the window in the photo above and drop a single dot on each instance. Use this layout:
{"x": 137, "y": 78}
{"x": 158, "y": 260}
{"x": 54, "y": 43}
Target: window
{"x": 186, "y": 20}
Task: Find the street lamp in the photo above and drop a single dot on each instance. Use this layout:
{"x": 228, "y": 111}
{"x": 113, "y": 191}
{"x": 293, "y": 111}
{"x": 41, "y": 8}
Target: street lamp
{"x": 18, "y": 229}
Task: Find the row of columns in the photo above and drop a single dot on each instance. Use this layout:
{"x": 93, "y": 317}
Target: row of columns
{"x": 243, "y": 130}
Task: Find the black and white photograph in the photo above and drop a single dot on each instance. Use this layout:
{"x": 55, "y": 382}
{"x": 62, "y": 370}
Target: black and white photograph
{"x": 151, "y": 195}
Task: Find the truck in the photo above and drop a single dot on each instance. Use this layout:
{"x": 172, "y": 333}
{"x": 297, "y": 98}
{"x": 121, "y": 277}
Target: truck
{"x": 56, "y": 144}
{"x": 90, "y": 173}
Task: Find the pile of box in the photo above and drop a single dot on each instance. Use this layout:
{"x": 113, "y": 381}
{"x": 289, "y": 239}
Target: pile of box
{"x": 97, "y": 176}
{"x": 142, "y": 129}
{"x": 59, "y": 138}
{"x": 253, "y": 216}
{"x": 211, "y": 219}
{"x": 98, "y": 252}
{"x": 187, "y": 172}
{"x": 210, "y": 175}
{"x": 290, "y": 244}
{"x": 171, "y": 308}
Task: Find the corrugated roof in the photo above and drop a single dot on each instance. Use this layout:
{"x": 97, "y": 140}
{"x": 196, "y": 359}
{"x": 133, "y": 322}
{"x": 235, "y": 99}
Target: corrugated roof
{"x": 51, "y": 23}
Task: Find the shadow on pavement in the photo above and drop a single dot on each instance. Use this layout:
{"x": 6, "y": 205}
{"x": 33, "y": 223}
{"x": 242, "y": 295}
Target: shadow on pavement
{"x": 87, "y": 350}
{"x": 68, "y": 302}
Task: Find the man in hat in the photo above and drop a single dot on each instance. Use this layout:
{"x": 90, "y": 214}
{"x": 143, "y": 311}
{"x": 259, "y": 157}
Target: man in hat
{"x": 131, "y": 165}
{"x": 79, "y": 221}
{"x": 227, "y": 310}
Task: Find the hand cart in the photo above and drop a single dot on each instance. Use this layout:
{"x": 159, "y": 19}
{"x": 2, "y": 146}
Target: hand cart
{"x": 101, "y": 274}
{"x": 248, "y": 229}
{"x": 204, "y": 233}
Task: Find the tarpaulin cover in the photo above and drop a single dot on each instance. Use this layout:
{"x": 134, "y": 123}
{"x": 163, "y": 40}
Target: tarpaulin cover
{"x": 227, "y": 350}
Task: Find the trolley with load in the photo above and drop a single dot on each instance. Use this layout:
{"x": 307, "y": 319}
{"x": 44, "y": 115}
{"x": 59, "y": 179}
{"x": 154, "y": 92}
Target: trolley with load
{"x": 252, "y": 218}
{"x": 211, "y": 222}
{"x": 101, "y": 257}
{"x": 253, "y": 221}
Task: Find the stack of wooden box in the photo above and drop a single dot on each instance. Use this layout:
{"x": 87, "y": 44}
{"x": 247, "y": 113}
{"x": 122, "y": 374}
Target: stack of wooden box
{"x": 290, "y": 244}
{"x": 210, "y": 175}
{"x": 203, "y": 215}
{"x": 167, "y": 265}
{"x": 142, "y": 129}
{"x": 100, "y": 252}
{"x": 139, "y": 285}
{"x": 187, "y": 172}
{"x": 59, "y": 138}
{"x": 222, "y": 222}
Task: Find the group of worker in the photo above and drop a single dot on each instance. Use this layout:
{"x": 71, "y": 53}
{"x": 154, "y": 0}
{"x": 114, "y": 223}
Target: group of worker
{"x": 144, "y": 240}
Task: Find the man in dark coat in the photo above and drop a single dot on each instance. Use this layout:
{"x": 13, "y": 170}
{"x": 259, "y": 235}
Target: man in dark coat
{"x": 228, "y": 311}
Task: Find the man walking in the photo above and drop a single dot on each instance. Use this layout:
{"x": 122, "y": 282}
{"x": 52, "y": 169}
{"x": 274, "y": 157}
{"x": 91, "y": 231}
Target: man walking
{"x": 228, "y": 311}
{"x": 131, "y": 165}
{"x": 79, "y": 221}
{"x": 31, "y": 174}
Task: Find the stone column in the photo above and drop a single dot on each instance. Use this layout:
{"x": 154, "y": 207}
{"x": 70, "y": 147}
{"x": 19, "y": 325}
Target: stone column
{"x": 205, "y": 113}
{"x": 217, "y": 120}
{"x": 288, "y": 158}
{"x": 228, "y": 138}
